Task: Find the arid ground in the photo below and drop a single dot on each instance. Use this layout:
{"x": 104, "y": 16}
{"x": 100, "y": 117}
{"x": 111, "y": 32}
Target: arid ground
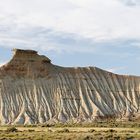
{"x": 85, "y": 131}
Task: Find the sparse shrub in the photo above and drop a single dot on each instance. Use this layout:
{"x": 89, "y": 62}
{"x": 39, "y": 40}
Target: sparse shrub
{"x": 31, "y": 125}
{"x": 111, "y": 131}
{"x": 88, "y": 138}
{"x": 117, "y": 137}
{"x": 65, "y": 130}
{"x": 91, "y": 130}
{"x": 31, "y": 130}
{"x": 11, "y": 129}
{"x": 109, "y": 136}
{"x": 47, "y": 125}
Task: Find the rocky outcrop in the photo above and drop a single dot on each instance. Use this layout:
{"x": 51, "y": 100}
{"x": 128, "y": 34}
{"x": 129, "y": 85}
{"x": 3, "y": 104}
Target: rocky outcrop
{"x": 33, "y": 90}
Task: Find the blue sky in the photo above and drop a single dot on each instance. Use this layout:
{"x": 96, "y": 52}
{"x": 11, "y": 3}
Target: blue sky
{"x": 101, "y": 33}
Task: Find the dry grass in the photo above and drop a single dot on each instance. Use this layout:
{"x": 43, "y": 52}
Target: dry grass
{"x": 70, "y": 133}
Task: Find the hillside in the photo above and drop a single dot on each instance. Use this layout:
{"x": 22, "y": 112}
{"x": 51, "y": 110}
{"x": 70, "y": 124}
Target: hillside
{"x": 33, "y": 90}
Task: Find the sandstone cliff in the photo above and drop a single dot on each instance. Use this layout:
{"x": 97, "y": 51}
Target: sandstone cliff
{"x": 33, "y": 90}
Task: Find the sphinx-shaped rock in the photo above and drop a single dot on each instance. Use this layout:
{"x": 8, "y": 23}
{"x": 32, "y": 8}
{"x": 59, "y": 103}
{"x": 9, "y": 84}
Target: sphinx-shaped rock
{"x": 33, "y": 90}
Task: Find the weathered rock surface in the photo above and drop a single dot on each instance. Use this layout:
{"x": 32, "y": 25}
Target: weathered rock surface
{"x": 33, "y": 90}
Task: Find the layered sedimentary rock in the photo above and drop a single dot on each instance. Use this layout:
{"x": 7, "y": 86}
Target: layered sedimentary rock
{"x": 33, "y": 90}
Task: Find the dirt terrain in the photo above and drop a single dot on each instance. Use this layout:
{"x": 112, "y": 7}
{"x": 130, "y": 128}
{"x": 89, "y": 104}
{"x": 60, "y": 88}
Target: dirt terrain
{"x": 89, "y": 131}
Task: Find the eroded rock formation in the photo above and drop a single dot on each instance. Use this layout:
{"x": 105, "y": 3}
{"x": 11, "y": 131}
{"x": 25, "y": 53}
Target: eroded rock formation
{"x": 33, "y": 90}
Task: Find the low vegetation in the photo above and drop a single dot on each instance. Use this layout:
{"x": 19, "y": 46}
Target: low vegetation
{"x": 91, "y": 131}
{"x": 11, "y": 129}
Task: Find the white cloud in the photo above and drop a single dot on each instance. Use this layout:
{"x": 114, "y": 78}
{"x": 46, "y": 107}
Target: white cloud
{"x": 103, "y": 20}
{"x": 99, "y": 20}
{"x": 2, "y": 63}
{"x": 116, "y": 69}
{"x": 130, "y": 2}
